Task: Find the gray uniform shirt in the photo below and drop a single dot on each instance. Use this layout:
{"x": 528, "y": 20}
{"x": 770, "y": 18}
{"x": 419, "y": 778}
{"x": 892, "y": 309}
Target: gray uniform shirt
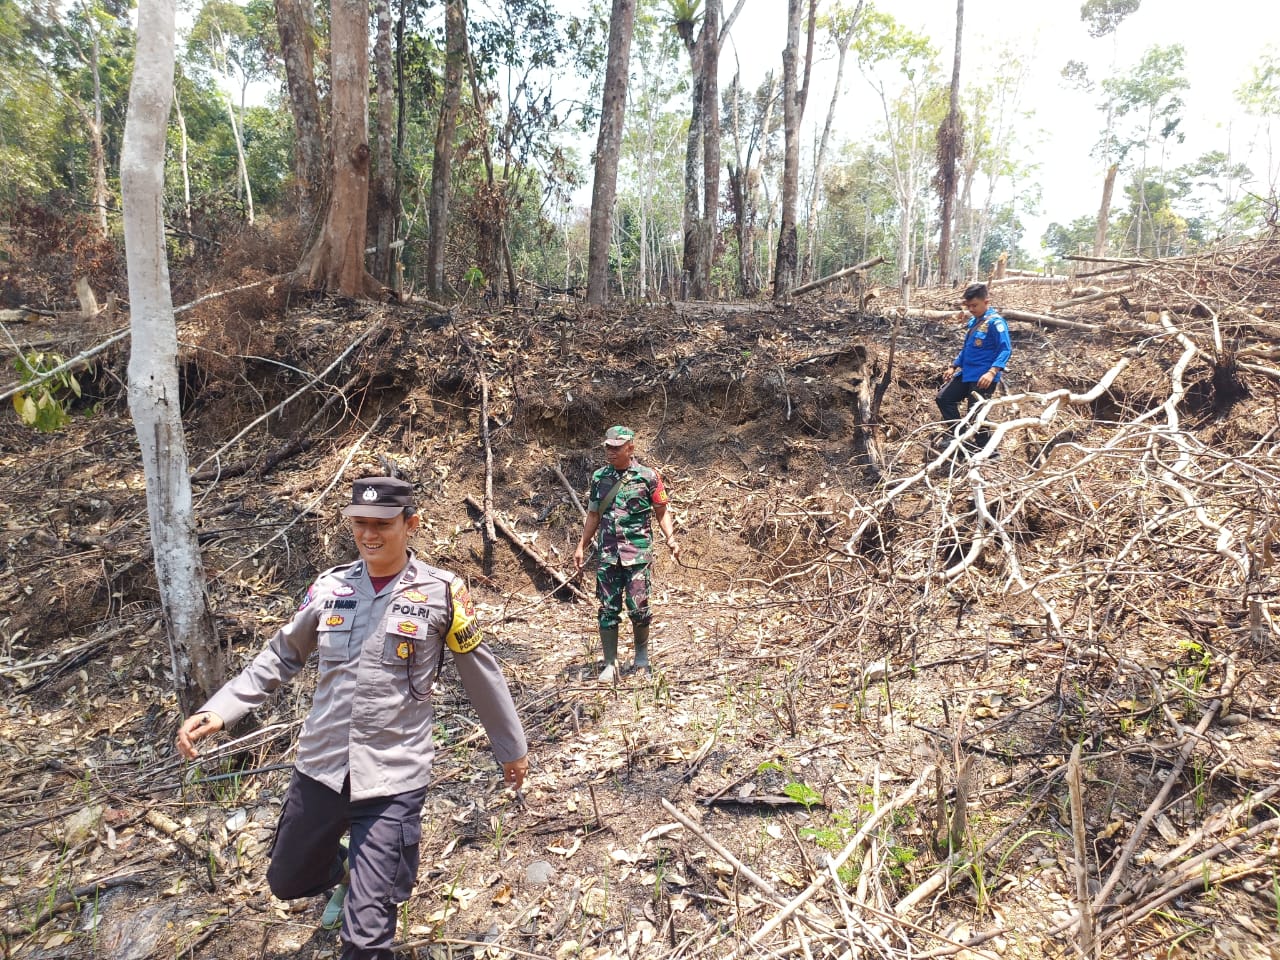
{"x": 375, "y": 651}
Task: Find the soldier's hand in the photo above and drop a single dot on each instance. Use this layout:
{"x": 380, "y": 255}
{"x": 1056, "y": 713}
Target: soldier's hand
{"x": 197, "y": 727}
{"x": 674, "y": 544}
{"x": 577, "y": 557}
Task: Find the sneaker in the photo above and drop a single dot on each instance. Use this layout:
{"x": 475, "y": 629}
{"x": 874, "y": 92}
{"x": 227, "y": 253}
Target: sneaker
{"x": 609, "y": 673}
{"x": 331, "y": 919}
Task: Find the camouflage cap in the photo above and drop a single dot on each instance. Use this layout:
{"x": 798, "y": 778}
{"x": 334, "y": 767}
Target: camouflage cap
{"x": 383, "y": 497}
{"x": 617, "y": 436}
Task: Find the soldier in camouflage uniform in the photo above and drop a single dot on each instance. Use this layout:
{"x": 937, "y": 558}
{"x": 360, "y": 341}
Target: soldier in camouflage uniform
{"x": 624, "y": 499}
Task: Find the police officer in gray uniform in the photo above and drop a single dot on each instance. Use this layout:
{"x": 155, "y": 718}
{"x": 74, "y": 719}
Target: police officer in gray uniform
{"x": 381, "y": 625}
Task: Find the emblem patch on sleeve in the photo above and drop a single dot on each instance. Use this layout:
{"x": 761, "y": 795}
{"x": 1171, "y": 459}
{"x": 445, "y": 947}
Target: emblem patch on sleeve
{"x": 464, "y": 631}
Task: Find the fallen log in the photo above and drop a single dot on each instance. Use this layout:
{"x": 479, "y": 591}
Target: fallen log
{"x": 1045, "y": 321}
{"x": 1032, "y": 280}
{"x": 529, "y": 551}
{"x": 831, "y": 278}
{"x": 1091, "y": 297}
{"x": 1018, "y": 315}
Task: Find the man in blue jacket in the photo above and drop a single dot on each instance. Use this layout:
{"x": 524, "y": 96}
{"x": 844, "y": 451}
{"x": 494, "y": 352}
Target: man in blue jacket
{"x": 979, "y": 364}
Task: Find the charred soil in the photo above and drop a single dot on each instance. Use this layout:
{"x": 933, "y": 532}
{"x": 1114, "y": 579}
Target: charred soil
{"x": 873, "y": 661}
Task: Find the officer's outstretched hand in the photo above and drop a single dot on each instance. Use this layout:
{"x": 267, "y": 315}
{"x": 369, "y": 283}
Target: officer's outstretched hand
{"x": 513, "y": 772}
{"x": 197, "y": 727}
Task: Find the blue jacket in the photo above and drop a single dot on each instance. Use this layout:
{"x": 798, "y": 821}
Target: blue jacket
{"x": 986, "y": 345}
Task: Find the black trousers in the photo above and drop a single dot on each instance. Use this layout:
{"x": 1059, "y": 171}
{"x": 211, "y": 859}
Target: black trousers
{"x": 383, "y": 857}
{"x": 948, "y": 400}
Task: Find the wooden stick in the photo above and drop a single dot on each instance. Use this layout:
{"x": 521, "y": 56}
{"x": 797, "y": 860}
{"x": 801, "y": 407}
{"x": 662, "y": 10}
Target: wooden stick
{"x": 1036, "y": 280}
{"x": 79, "y": 360}
{"x": 747, "y": 873}
{"x": 75, "y": 896}
{"x": 863, "y": 832}
{"x": 831, "y": 278}
{"x": 197, "y": 473}
{"x": 1140, "y": 831}
{"x": 1092, "y": 297}
{"x": 1078, "y": 827}
{"x": 572, "y": 493}
{"x": 1044, "y": 321}
{"x": 315, "y": 502}
{"x": 536, "y": 556}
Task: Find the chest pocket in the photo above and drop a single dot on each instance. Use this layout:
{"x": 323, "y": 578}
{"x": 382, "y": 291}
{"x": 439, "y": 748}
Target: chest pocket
{"x": 333, "y": 637}
{"x": 405, "y": 642}
{"x": 634, "y": 497}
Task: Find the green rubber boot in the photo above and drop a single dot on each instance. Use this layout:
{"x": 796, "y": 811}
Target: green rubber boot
{"x": 331, "y": 919}
{"x": 642, "y": 647}
{"x": 609, "y": 643}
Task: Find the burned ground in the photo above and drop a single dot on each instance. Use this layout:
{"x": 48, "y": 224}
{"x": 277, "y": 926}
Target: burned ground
{"x": 867, "y": 649}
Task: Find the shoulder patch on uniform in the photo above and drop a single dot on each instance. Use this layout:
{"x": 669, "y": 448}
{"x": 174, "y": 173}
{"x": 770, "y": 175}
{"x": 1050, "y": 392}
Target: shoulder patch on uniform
{"x": 464, "y": 629}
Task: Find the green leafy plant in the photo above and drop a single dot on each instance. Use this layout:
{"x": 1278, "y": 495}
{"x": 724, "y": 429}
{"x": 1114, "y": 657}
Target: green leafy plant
{"x": 833, "y": 839}
{"x": 44, "y": 402}
{"x": 804, "y": 794}
{"x": 474, "y": 277}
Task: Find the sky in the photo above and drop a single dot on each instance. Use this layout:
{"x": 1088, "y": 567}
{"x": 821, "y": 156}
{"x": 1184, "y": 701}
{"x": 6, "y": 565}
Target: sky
{"x": 1223, "y": 41}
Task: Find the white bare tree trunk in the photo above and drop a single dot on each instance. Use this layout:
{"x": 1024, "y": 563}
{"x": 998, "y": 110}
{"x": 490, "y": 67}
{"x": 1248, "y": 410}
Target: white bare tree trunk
{"x": 153, "y": 371}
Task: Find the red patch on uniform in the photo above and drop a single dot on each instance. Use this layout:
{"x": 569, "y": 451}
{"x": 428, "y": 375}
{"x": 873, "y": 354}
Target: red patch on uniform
{"x": 306, "y": 601}
{"x": 407, "y": 626}
{"x": 417, "y": 596}
{"x": 335, "y": 621}
{"x": 464, "y": 598}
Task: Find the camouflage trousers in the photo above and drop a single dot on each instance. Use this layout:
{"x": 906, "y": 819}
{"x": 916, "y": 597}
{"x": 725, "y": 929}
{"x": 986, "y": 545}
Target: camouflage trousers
{"x": 616, "y": 584}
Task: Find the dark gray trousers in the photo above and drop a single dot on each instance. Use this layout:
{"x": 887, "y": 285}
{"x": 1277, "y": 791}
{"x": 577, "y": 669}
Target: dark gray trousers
{"x": 306, "y": 859}
{"x": 949, "y": 398}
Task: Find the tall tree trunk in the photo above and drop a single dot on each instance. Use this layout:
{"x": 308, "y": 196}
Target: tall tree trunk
{"x": 153, "y": 370}
{"x": 784, "y": 277}
{"x": 386, "y": 196}
{"x": 335, "y": 260}
{"x": 242, "y": 168}
{"x": 691, "y": 215}
{"x": 844, "y": 37}
{"x": 97, "y": 150}
{"x": 310, "y": 167}
{"x": 710, "y": 143}
{"x": 455, "y": 32}
{"x": 182, "y": 156}
{"x": 1104, "y": 212}
{"x": 950, "y": 147}
{"x": 608, "y": 146}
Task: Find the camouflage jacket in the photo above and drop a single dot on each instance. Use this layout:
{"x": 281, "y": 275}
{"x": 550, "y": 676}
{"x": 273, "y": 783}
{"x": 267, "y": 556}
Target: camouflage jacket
{"x": 625, "y": 535}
